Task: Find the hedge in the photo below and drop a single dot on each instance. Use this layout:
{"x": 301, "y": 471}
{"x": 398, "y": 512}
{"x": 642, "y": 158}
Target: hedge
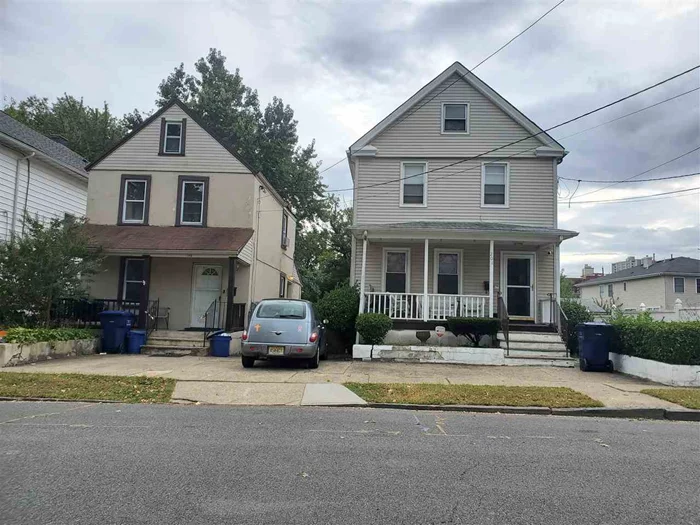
{"x": 474, "y": 327}
{"x": 576, "y": 313}
{"x": 339, "y": 307}
{"x": 373, "y": 327}
{"x": 676, "y": 343}
{"x": 26, "y": 336}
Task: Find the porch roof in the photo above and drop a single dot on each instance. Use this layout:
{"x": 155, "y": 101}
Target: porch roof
{"x": 165, "y": 240}
{"x": 462, "y": 230}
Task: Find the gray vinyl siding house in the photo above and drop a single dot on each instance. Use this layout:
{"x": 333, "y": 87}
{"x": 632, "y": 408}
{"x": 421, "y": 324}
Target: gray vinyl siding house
{"x": 419, "y": 189}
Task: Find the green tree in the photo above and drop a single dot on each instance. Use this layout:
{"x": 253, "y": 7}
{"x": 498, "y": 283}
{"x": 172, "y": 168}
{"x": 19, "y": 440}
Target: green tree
{"x": 566, "y": 287}
{"x": 51, "y": 261}
{"x": 88, "y": 131}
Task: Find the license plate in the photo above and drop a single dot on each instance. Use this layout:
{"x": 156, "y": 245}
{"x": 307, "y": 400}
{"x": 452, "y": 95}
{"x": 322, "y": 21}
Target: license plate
{"x": 275, "y": 350}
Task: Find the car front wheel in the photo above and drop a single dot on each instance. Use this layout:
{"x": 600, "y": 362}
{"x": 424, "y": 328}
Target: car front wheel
{"x": 247, "y": 362}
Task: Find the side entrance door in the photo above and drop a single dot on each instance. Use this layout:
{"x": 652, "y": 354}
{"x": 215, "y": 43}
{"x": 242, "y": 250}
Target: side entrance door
{"x": 519, "y": 292}
{"x": 206, "y": 287}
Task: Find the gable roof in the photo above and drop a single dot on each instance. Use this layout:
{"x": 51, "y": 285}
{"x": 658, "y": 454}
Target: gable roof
{"x": 41, "y": 143}
{"x": 156, "y": 115}
{"x": 470, "y": 78}
{"x": 675, "y": 266}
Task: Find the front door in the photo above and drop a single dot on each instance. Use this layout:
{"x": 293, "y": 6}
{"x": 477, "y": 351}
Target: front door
{"x": 206, "y": 288}
{"x": 520, "y": 285}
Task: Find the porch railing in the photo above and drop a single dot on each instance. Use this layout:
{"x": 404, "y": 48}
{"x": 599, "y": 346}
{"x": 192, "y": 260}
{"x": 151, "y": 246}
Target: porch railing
{"x": 152, "y": 317}
{"x": 215, "y": 318}
{"x": 505, "y": 321}
{"x": 412, "y": 306}
{"x": 85, "y": 313}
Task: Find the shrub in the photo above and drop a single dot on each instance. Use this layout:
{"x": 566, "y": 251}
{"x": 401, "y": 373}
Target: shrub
{"x": 576, "y": 313}
{"x": 26, "y": 336}
{"x": 373, "y": 327}
{"x": 474, "y": 327}
{"x": 339, "y": 307}
{"x": 668, "y": 342}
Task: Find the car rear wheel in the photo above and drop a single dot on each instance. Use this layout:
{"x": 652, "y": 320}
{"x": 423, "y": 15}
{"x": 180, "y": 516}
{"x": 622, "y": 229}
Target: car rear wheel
{"x": 313, "y": 362}
{"x": 247, "y": 362}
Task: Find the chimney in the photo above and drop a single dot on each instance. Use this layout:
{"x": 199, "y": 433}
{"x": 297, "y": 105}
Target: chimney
{"x": 63, "y": 141}
{"x": 671, "y": 256}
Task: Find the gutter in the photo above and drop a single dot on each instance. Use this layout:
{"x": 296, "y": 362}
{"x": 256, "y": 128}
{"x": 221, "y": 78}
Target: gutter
{"x": 21, "y": 146}
{"x": 595, "y": 282}
{"x": 16, "y": 192}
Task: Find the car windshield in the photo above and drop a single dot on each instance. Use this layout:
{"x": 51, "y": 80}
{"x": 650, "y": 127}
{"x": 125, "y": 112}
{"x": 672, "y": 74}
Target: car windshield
{"x": 281, "y": 310}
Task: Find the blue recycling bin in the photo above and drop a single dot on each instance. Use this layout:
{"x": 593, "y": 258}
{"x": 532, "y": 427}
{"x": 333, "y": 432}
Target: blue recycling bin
{"x": 136, "y": 339}
{"x": 115, "y": 325}
{"x": 594, "y": 346}
{"x": 219, "y": 344}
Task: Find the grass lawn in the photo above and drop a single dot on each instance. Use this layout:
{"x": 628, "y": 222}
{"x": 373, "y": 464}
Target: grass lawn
{"x": 687, "y": 397}
{"x": 83, "y": 386}
{"x": 436, "y": 394}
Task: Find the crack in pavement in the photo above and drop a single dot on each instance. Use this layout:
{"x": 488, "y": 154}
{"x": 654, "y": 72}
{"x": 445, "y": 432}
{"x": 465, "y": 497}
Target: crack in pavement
{"x": 46, "y": 414}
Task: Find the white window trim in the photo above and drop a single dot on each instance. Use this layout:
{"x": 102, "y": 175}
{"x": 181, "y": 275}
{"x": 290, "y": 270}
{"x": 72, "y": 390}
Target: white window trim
{"x": 166, "y": 137}
{"x": 436, "y": 268}
{"x": 407, "y": 251}
{"x": 425, "y": 184}
{"x": 126, "y": 199}
{"x": 182, "y": 203}
{"x": 610, "y": 290}
{"x": 507, "y": 181}
{"x": 674, "y": 284}
{"x": 468, "y": 116}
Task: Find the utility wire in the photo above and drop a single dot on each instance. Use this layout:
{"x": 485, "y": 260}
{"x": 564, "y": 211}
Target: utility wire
{"x": 459, "y": 77}
{"x": 630, "y": 181}
{"x": 636, "y": 199}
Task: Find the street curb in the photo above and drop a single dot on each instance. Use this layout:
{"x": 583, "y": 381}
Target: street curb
{"x": 56, "y": 400}
{"x": 545, "y": 411}
{"x": 682, "y": 415}
{"x": 627, "y": 413}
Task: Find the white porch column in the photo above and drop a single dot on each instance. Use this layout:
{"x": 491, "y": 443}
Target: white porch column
{"x": 426, "y": 254}
{"x": 363, "y": 272}
{"x": 492, "y": 259}
{"x": 557, "y": 284}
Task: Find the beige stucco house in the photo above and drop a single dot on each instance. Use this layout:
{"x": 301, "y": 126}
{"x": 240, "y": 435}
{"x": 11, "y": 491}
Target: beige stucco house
{"x": 187, "y": 227}
{"x": 455, "y": 203}
{"x": 656, "y": 286}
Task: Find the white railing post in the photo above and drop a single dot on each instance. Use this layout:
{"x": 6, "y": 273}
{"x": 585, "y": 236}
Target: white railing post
{"x": 363, "y": 273}
{"x": 491, "y": 263}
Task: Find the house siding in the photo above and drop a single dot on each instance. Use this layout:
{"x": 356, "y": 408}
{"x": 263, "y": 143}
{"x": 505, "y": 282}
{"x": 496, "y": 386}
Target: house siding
{"x": 419, "y": 133}
{"x": 202, "y": 151}
{"x": 52, "y": 193}
{"x": 455, "y": 194}
{"x": 689, "y": 299}
{"x": 650, "y": 291}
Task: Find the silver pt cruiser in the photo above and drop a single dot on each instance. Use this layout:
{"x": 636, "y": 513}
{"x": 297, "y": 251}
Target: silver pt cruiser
{"x": 284, "y": 329}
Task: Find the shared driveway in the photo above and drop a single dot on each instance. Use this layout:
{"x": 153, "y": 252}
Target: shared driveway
{"x": 224, "y": 380}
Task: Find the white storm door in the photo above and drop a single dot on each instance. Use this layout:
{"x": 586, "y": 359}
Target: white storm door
{"x": 520, "y": 285}
{"x": 206, "y": 288}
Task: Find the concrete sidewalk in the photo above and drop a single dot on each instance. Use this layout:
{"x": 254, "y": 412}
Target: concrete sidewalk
{"x": 224, "y": 380}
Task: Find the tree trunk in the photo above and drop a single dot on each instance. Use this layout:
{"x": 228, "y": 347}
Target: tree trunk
{"x": 47, "y": 319}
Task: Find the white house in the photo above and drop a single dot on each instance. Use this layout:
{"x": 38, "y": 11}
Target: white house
{"x": 39, "y": 176}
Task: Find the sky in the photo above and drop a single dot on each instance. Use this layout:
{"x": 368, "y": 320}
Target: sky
{"x": 343, "y": 66}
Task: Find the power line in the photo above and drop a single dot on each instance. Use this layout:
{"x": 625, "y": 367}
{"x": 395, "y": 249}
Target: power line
{"x": 631, "y": 181}
{"x": 640, "y": 174}
{"x": 563, "y": 138}
{"x": 639, "y": 198}
{"x": 459, "y": 77}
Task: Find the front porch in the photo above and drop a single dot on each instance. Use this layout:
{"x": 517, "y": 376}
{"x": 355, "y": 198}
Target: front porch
{"x": 426, "y": 273}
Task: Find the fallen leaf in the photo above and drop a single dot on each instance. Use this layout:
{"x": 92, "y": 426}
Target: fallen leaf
{"x": 304, "y": 475}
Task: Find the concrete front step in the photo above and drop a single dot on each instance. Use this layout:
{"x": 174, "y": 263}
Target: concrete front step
{"x": 181, "y": 343}
{"x": 528, "y": 354}
{"x": 538, "y": 347}
{"x": 174, "y": 351}
{"x": 530, "y": 337}
{"x": 561, "y": 362}
{"x": 177, "y": 334}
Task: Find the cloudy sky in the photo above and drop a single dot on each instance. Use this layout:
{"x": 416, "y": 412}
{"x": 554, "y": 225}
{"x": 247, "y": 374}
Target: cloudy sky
{"x": 343, "y": 66}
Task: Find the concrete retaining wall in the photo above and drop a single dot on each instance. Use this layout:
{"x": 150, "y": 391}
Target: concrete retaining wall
{"x": 445, "y": 354}
{"x": 13, "y": 354}
{"x": 664, "y": 373}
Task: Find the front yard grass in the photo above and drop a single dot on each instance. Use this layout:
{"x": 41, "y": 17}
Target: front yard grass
{"x": 491, "y": 395}
{"x": 687, "y": 397}
{"x": 84, "y": 386}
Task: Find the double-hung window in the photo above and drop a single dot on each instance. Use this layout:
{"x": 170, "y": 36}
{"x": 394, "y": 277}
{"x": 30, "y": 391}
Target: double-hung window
{"x": 610, "y": 290}
{"x": 601, "y": 290}
{"x": 133, "y": 280}
{"x": 283, "y": 285}
{"x": 679, "y": 284}
{"x": 133, "y": 206}
{"x": 414, "y": 184}
{"x": 172, "y": 137}
{"x": 455, "y": 118}
{"x": 494, "y": 184}
{"x": 192, "y": 201}
{"x": 448, "y": 276}
{"x": 396, "y": 270}
{"x": 285, "y": 228}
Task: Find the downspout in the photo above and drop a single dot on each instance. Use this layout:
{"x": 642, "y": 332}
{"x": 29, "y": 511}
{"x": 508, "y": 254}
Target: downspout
{"x": 26, "y": 194}
{"x": 16, "y": 193}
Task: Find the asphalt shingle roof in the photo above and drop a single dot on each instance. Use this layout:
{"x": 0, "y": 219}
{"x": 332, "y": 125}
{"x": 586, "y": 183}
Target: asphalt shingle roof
{"x": 675, "y": 266}
{"x": 41, "y": 143}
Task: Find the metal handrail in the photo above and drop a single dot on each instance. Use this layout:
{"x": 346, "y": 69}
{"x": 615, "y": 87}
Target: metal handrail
{"x": 210, "y": 319}
{"x": 152, "y": 317}
{"x": 505, "y": 321}
{"x": 563, "y": 327}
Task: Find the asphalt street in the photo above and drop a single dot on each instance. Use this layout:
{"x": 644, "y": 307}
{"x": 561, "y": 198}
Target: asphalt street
{"x": 76, "y": 463}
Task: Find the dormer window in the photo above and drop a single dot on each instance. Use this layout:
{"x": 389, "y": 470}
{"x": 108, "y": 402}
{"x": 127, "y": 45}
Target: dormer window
{"x": 455, "y": 118}
{"x": 172, "y": 137}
